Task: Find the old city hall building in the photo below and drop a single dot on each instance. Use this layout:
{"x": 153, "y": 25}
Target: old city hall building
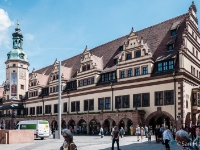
{"x": 147, "y": 77}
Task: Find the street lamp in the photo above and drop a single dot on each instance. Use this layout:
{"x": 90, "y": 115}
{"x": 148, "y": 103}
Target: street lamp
{"x": 174, "y": 76}
{"x": 111, "y": 84}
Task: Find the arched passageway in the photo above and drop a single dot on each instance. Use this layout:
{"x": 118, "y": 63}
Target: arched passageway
{"x": 94, "y": 126}
{"x": 82, "y": 126}
{"x": 159, "y": 118}
{"x": 63, "y": 125}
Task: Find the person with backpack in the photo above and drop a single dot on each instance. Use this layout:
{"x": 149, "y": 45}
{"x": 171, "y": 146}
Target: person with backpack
{"x": 122, "y": 132}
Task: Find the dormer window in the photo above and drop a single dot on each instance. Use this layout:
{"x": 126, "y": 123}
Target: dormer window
{"x": 173, "y": 32}
{"x": 88, "y": 67}
{"x": 83, "y": 68}
{"x": 115, "y": 61}
{"x": 137, "y": 54}
{"x": 121, "y": 48}
{"x": 8, "y": 56}
{"x": 128, "y": 56}
{"x": 170, "y": 47}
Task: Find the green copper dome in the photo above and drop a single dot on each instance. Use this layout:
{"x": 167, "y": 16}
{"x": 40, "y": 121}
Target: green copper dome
{"x": 17, "y": 54}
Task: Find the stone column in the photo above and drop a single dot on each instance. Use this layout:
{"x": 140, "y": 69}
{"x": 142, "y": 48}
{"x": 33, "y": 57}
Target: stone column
{"x": 88, "y": 128}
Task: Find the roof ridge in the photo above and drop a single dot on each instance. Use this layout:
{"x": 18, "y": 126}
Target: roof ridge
{"x": 163, "y": 22}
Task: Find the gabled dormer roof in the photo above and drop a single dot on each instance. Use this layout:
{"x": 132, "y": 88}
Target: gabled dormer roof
{"x": 154, "y": 39}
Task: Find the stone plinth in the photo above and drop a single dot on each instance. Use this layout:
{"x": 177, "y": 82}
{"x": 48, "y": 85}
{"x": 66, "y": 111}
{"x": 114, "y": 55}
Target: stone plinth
{"x": 16, "y": 136}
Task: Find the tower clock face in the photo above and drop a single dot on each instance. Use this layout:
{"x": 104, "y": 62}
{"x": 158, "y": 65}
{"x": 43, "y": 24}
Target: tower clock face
{"x": 22, "y": 74}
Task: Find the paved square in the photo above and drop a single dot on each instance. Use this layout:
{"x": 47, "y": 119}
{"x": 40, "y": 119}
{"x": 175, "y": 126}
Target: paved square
{"x": 90, "y": 143}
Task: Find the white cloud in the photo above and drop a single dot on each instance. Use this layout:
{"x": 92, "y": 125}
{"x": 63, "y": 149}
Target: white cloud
{"x": 5, "y": 23}
{"x": 28, "y": 36}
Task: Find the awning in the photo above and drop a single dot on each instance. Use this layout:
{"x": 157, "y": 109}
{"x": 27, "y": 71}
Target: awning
{"x": 12, "y": 106}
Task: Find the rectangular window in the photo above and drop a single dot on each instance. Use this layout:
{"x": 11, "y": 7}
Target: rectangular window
{"x": 106, "y": 77}
{"x": 92, "y": 80}
{"x": 55, "y": 108}
{"x": 102, "y": 78}
{"x": 145, "y": 100}
{"x": 170, "y": 47}
{"x": 39, "y": 110}
{"x": 73, "y": 106}
{"x": 91, "y": 104}
{"x": 22, "y": 87}
{"x": 32, "y": 110}
{"x": 128, "y": 56}
{"x": 118, "y": 102}
{"x": 86, "y": 105}
{"x": 47, "y": 109}
{"x": 88, "y": 81}
{"x": 125, "y": 101}
{"x": 88, "y": 67}
{"x": 50, "y": 89}
{"x": 159, "y": 66}
{"x": 121, "y": 48}
{"x": 122, "y": 74}
{"x": 171, "y": 64}
{"x": 80, "y": 83}
{"x": 137, "y": 54}
{"x": 83, "y": 68}
{"x": 114, "y": 76}
{"x": 136, "y": 100}
{"x": 115, "y": 61}
{"x": 169, "y": 98}
{"x": 165, "y": 66}
{"x": 144, "y": 70}
{"x": 107, "y": 103}
{"x": 158, "y": 98}
{"x": 14, "y": 65}
{"x": 130, "y": 73}
{"x": 77, "y": 105}
{"x": 137, "y": 71}
{"x": 84, "y": 82}
{"x": 100, "y": 103}
{"x": 64, "y": 107}
{"x": 173, "y": 32}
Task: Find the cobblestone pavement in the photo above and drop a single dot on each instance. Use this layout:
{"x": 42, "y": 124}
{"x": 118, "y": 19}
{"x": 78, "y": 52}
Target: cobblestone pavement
{"x": 89, "y": 143}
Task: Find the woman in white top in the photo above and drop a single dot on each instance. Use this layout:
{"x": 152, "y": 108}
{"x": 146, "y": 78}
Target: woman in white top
{"x": 167, "y": 136}
{"x": 138, "y": 132}
{"x": 142, "y": 133}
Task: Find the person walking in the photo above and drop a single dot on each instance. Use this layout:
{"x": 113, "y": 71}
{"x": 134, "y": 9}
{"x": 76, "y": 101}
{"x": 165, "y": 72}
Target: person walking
{"x": 174, "y": 132}
{"x": 167, "y": 136}
{"x": 149, "y": 137}
{"x": 115, "y": 138}
{"x": 122, "y": 132}
{"x": 137, "y": 133}
{"x": 157, "y": 130}
{"x": 142, "y": 133}
{"x": 101, "y": 132}
{"x": 146, "y": 131}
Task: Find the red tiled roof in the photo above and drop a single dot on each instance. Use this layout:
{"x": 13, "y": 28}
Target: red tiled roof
{"x": 156, "y": 37}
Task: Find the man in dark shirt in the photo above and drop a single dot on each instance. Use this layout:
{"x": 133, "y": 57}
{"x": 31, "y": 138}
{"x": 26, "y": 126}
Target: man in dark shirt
{"x": 115, "y": 137}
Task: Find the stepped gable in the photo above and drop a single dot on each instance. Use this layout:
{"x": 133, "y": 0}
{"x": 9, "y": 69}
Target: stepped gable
{"x": 156, "y": 37}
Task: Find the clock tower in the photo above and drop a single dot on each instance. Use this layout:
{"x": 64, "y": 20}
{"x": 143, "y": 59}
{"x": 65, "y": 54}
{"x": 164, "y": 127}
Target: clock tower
{"x": 17, "y": 75}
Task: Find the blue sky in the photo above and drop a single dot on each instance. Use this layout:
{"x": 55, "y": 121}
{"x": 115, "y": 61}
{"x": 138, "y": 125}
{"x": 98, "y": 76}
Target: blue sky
{"x": 62, "y": 28}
